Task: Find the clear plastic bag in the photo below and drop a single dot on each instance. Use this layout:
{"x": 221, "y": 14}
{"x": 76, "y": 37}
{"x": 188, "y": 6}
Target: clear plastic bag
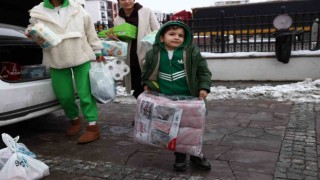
{"x": 176, "y": 123}
{"x": 149, "y": 39}
{"x": 103, "y": 86}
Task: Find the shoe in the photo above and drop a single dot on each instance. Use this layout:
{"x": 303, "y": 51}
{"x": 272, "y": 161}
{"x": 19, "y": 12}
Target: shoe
{"x": 92, "y": 133}
{"x": 200, "y": 163}
{"x": 180, "y": 163}
{"x": 74, "y": 128}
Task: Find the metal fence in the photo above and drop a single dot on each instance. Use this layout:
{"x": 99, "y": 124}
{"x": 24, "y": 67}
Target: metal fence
{"x": 249, "y": 33}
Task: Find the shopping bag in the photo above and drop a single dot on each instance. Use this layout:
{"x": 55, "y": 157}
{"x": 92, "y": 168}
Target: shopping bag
{"x": 171, "y": 122}
{"x": 21, "y": 166}
{"x": 149, "y": 39}
{"x": 102, "y": 84}
{"x": 6, "y": 153}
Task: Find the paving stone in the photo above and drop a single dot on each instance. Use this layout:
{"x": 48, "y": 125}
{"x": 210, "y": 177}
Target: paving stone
{"x": 243, "y": 140}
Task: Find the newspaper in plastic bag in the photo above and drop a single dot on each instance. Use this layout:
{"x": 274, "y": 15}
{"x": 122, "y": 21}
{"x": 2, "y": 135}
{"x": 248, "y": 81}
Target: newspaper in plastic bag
{"x": 172, "y": 122}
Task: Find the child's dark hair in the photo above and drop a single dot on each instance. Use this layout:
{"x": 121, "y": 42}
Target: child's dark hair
{"x": 174, "y": 27}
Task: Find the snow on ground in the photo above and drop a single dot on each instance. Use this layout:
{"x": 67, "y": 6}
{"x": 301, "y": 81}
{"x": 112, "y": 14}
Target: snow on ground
{"x": 257, "y": 54}
{"x": 305, "y": 91}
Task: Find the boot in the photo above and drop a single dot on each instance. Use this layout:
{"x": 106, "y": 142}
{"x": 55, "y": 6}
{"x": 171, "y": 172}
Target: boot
{"x": 200, "y": 163}
{"x": 74, "y": 128}
{"x": 180, "y": 163}
{"x": 92, "y": 133}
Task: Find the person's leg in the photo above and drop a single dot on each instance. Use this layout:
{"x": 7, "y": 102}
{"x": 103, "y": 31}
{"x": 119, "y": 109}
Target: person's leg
{"x": 63, "y": 88}
{"x": 135, "y": 70}
{"x": 136, "y": 83}
{"x": 87, "y": 102}
{"x": 180, "y": 163}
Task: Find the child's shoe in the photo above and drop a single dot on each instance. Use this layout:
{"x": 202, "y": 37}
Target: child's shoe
{"x": 200, "y": 163}
{"x": 180, "y": 164}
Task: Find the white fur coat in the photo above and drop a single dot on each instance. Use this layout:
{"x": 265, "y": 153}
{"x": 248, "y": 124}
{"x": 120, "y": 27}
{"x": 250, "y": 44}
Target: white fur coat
{"x": 79, "y": 38}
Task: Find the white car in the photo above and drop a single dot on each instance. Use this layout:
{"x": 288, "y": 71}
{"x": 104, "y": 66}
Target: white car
{"x": 22, "y": 98}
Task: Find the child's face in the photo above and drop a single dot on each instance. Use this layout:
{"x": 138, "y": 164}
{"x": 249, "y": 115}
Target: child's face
{"x": 173, "y": 38}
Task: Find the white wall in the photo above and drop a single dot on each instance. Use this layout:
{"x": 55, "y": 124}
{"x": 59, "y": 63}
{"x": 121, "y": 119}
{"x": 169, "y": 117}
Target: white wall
{"x": 264, "y": 69}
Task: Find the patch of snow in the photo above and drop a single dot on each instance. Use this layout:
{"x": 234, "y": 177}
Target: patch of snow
{"x": 257, "y": 54}
{"x": 305, "y": 91}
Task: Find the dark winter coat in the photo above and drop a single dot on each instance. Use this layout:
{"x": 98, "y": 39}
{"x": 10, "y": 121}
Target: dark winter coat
{"x": 197, "y": 72}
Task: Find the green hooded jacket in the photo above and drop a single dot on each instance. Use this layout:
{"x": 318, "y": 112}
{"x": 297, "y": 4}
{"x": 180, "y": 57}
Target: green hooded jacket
{"x": 198, "y": 75}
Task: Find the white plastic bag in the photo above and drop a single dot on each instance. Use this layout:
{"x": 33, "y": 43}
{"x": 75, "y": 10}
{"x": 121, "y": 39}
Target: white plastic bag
{"x": 21, "y": 166}
{"x": 102, "y": 84}
{"x": 6, "y": 153}
{"x": 149, "y": 39}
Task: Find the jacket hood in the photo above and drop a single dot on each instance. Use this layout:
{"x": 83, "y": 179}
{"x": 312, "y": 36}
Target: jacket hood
{"x": 188, "y": 35}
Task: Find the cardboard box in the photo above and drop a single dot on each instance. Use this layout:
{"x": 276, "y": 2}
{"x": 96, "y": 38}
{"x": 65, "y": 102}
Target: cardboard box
{"x": 10, "y": 70}
{"x": 124, "y": 31}
{"x": 33, "y": 71}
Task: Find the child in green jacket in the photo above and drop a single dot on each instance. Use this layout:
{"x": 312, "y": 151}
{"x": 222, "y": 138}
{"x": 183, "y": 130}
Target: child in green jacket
{"x": 175, "y": 67}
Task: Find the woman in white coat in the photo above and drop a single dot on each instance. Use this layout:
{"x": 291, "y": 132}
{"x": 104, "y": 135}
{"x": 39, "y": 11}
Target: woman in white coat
{"x": 146, "y": 22}
{"x": 70, "y": 59}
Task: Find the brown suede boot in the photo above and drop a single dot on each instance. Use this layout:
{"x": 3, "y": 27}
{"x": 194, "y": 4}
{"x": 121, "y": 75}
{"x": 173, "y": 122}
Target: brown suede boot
{"x": 74, "y": 128}
{"x": 92, "y": 133}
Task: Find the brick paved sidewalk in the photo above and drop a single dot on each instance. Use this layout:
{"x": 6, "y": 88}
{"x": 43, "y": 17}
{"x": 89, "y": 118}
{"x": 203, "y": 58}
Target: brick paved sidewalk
{"x": 244, "y": 139}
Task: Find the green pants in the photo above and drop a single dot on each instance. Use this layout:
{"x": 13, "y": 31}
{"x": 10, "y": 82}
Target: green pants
{"x": 63, "y": 88}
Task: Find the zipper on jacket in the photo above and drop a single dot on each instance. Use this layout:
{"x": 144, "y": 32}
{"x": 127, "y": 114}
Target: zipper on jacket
{"x": 171, "y": 76}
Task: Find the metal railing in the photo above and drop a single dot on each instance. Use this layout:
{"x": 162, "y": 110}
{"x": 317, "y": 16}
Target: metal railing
{"x": 249, "y": 33}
